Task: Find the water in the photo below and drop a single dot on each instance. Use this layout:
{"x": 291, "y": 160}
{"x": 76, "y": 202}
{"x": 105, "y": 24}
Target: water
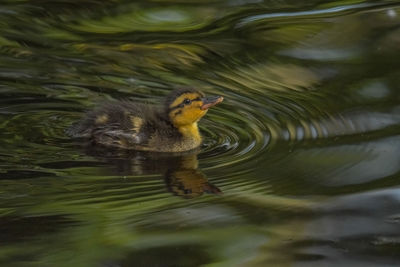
{"x": 300, "y": 164}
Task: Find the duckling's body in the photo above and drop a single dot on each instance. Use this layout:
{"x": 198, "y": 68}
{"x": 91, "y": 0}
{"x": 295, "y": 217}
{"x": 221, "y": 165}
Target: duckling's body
{"x": 129, "y": 125}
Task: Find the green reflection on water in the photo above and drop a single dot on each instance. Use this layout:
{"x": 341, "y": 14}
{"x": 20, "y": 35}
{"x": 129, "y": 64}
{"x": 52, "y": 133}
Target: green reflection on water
{"x": 174, "y": 19}
{"x": 305, "y": 147}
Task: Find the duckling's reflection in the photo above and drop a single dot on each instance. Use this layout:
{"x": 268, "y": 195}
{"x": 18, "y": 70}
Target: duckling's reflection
{"x": 182, "y": 175}
{"x": 187, "y": 180}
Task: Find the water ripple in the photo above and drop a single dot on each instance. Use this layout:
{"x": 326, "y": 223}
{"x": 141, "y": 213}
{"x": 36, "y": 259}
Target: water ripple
{"x": 320, "y": 12}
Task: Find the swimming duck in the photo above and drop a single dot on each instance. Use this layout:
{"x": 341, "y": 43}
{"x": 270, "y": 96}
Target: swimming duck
{"x": 130, "y": 125}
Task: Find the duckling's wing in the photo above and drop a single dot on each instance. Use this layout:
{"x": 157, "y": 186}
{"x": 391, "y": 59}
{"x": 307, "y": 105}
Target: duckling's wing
{"x": 108, "y": 117}
{"x": 116, "y": 136}
{"x": 123, "y": 125}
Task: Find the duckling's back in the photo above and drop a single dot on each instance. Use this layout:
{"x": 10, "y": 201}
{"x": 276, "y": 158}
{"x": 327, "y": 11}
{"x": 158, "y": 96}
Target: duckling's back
{"x": 126, "y": 125}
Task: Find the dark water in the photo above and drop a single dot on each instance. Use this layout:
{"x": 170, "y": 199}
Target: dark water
{"x": 300, "y": 164}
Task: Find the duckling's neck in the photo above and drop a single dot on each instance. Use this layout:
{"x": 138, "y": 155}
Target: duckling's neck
{"x": 191, "y": 132}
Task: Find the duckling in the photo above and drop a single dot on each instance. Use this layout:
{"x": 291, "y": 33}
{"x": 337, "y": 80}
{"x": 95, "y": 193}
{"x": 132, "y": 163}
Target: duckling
{"x": 130, "y": 125}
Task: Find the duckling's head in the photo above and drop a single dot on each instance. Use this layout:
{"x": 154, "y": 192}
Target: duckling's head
{"x": 185, "y": 107}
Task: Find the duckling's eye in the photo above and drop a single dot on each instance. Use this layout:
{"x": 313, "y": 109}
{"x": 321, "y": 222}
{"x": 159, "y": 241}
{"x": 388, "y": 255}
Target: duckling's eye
{"x": 187, "y": 101}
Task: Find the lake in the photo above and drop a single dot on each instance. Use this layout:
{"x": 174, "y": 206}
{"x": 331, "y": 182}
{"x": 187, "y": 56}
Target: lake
{"x": 300, "y": 165}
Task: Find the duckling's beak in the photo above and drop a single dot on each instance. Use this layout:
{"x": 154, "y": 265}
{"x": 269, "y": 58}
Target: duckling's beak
{"x": 208, "y": 102}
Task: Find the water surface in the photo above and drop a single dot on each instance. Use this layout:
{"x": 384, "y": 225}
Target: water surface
{"x": 300, "y": 164}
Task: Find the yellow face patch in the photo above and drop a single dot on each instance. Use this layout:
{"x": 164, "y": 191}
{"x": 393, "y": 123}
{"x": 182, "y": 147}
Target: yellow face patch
{"x": 187, "y": 116}
{"x": 182, "y": 113}
{"x": 182, "y": 97}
